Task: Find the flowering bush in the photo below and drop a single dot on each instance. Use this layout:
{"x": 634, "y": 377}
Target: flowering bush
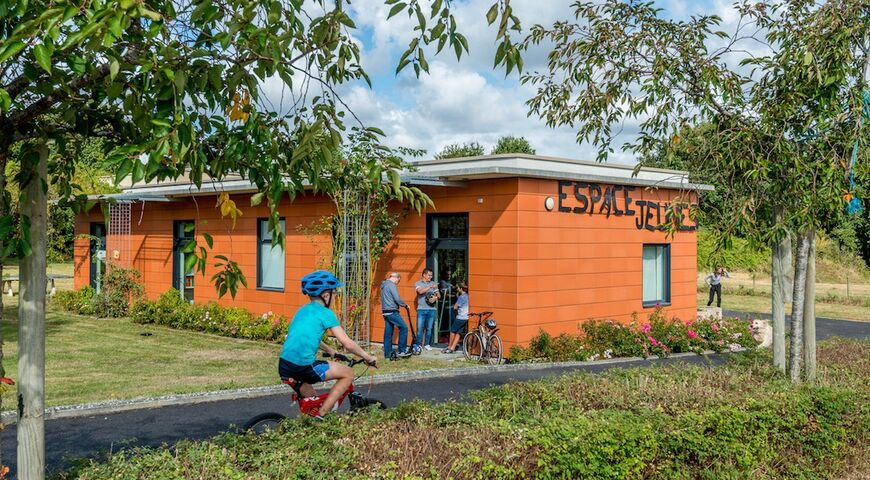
{"x": 658, "y": 336}
{"x": 170, "y": 310}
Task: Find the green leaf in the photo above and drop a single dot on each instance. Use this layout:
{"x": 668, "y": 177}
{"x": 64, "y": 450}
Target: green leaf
{"x": 208, "y": 240}
{"x": 43, "y": 56}
{"x": 189, "y": 262}
{"x": 77, "y": 64}
{"x": 123, "y": 170}
{"x": 5, "y": 100}
{"x": 10, "y": 50}
{"x": 257, "y": 198}
{"x": 492, "y": 14}
{"x": 138, "y": 171}
{"x": 808, "y": 58}
{"x": 436, "y": 6}
{"x": 152, "y": 14}
{"x": 189, "y": 247}
{"x": 114, "y": 68}
{"x": 396, "y": 9}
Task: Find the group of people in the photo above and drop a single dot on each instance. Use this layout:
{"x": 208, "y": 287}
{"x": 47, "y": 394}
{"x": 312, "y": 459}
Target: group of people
{"x": 298, "y": 358}
{"x": 427, "y": 295}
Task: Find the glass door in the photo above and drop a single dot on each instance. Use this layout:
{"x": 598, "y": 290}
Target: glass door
{"x": 447, "y": 256}
{"x": 97, "y": 252}
{"x": 182, "y": 278}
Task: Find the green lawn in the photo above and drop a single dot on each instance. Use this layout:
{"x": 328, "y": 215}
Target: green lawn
{"x": 89, "y": 359}
{"x": 761, "y": 303}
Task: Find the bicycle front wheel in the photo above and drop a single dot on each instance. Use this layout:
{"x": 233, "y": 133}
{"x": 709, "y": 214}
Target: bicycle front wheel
{"x": 471, "y": 346}
{"x": 494, "y": 350}
{"x": 264, "y": 422}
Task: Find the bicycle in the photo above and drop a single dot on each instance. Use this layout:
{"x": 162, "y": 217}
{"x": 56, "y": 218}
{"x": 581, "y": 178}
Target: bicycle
{"x": 482, "y": 343}
{"x": 311, "y": 406}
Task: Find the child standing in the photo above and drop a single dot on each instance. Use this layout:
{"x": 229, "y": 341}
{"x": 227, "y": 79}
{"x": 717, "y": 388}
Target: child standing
{"x": 461, "y": 319}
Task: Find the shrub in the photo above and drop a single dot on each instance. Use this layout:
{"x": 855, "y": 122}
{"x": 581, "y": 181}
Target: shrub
{"x": 118, "y": 288}
{"x": 738, "y": 420}
{"x": 658, "y": 336}
{"x": 544, "y": 347}
{"x": 172, "y": 311}
{"x": 77, "y": 301}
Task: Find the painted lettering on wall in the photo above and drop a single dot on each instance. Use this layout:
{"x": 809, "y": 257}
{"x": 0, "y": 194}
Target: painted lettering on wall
{"x": 586, "y": 198}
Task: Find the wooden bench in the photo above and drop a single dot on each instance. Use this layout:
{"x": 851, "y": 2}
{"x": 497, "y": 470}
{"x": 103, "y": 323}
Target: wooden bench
{"x": 49, "y": 280}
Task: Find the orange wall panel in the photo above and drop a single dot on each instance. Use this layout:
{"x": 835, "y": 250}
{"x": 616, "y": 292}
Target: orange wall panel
{"x": 534, "y": 268}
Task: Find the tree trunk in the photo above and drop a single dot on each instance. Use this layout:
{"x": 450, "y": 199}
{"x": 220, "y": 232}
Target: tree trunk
{"x": 810, "y": 311}
{"x": 31, "y": 329}
{"x": 780, "y": 255}
{"x": 797, "y": 306}
{"x": 3, "y": 159}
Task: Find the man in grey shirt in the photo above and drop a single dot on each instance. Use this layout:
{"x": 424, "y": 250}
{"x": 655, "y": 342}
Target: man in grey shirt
{"x": 427, "y": 295}
{"x": 390, "y": 303}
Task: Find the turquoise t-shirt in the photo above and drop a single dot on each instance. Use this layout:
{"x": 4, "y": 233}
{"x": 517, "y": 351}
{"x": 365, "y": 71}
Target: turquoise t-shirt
{"x": 305, "y": 331}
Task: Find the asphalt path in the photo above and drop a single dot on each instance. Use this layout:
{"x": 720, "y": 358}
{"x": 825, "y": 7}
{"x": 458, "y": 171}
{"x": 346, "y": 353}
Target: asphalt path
{"x": 89, "y": 436}
{"x": 825, "y": 327}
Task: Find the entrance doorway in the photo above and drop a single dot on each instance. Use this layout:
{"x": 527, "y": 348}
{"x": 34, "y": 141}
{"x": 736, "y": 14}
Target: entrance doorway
{"x": 182, "y": 278}
{"x": 97, "y": 251}
{"x": 447, "y": 256}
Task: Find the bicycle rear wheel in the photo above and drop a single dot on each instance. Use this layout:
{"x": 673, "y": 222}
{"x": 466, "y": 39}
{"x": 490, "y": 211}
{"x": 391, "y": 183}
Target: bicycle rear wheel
{"x": 494, "y": 350}
{"x": 471, "y": 346}
{"x": 264, "y": 422}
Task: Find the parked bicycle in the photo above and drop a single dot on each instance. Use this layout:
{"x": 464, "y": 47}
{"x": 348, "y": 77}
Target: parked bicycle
{"x": 482, "y": 343}
{"x": 311, "y": 406}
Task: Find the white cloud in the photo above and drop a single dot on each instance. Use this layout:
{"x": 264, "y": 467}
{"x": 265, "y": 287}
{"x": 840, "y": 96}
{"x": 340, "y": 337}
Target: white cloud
{"x": 466, "y": 100}
{"x": 455, "y": 105}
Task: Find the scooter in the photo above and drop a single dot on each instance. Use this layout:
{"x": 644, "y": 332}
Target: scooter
{"x": 415, "y": 349}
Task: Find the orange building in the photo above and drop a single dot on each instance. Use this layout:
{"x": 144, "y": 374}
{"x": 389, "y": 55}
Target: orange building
{"x": 545, "y": 243}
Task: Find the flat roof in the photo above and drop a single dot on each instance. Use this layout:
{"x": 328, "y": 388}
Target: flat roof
{"x": 452, "y": 172}
{"x": 538, "y": 166}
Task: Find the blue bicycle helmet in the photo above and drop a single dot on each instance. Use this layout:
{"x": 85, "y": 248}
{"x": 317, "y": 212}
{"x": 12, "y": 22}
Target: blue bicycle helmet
{"x": 490, "y": 324}
{"x": 318, "y": 282}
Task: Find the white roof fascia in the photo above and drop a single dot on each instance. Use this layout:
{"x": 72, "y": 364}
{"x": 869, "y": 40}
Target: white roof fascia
{"x": 520, "y": 165}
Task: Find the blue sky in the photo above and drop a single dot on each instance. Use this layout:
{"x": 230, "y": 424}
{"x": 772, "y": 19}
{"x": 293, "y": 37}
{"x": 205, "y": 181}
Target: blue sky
{"x": 466, "y": 100}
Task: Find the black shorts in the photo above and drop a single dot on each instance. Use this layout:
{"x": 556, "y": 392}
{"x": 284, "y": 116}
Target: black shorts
{"x": 314, "y": 373}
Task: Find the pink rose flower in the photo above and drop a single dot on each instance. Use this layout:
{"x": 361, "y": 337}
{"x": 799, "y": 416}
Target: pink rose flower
{"x": 646, "y": 328}
{"x": 692, "y": 334}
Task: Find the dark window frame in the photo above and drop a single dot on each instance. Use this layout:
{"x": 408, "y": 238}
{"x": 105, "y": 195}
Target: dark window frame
{"x": 260, "y": 242}
{"x": 666, "y": 301}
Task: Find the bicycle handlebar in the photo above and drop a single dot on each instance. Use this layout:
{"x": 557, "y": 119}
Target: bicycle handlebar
{"x": 344, "y": 358}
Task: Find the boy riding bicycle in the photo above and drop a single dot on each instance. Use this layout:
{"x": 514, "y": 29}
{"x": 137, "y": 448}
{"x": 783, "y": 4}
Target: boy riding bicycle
{"x": 298, "y": 357}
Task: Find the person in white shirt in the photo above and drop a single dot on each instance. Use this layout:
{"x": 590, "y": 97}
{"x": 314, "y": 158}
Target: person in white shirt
{"x": 714, "y": 280}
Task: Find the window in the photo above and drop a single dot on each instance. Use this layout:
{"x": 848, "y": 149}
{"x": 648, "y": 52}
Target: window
{"x": 656, "y": 275}
{"x": 270, "y": 259}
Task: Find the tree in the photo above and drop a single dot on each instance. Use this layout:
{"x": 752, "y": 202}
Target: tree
{"x": 782, "y": 123}
{"x": 363, "y": 223}
{"x": 178, "y": 86}
{"x": 456, "y": 150}
{"x": 509, "y": 144}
